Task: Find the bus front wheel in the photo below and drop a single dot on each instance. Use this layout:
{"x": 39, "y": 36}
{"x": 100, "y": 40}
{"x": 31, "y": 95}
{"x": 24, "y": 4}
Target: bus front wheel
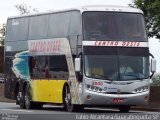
{"x": 68, "y": 103}
{"x": 28, "y": 102}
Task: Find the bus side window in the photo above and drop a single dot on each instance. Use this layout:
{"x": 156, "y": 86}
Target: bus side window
{"x": 43, "y": 68}
{"x": 32, "y": 65}
{"x": 47, "y": 71}
{"x": 58, "y": 67}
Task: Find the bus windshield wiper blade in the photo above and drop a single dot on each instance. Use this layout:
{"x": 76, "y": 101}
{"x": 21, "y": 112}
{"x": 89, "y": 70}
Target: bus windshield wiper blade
{"x": 103, "y": 77}
{"x": 138, "y": 78}
{"x": 100, "y": 76}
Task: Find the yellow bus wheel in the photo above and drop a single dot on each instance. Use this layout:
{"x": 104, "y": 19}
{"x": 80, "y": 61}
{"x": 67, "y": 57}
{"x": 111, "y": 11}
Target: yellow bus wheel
{"x": 67, "y": 101}
{"x": 22, "y": 99}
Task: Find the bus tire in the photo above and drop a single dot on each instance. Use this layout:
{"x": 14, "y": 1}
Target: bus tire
{"x": 28, "y": 102}
{"x": 124, "y": 108}
{"x": 17, "y": 94}
{"x": 21, "y": 99}
{"x": 68, "y": 103}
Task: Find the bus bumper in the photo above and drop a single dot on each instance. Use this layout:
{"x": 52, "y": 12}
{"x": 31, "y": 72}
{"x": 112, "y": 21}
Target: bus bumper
{"x": 93, "y": 98}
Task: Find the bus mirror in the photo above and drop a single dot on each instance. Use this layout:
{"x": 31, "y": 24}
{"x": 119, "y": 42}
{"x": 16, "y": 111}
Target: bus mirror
{"x": 77, "y": 64}
{"x": 153, "y": 65}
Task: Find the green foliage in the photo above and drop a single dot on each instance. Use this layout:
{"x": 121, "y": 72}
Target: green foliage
{"x": 151, "y": 9}
{"x": 156, "y": 79}
{"x": 2, "y": 34}
{"x": 1, "y": 59}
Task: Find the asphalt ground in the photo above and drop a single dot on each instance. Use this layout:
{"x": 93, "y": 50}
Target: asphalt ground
{"x": 10, "y": 111}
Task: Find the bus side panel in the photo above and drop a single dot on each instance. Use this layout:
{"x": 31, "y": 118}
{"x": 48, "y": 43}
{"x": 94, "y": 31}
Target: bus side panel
{"x": 10, "y": 78}
{"x": 48, "y": 90}
{"x": 15, "y": 42}
{"x": 57, "y": 88}
{"x": 48, "y": 74}
{"x": 16, "y": 70}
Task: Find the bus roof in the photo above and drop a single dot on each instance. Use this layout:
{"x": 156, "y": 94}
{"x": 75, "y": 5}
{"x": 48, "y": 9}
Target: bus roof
{"x": 111, "y": 8}
{"x": 88, "y": 8}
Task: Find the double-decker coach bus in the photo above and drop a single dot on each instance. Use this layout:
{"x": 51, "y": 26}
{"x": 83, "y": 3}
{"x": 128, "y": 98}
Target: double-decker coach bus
{"x": 90, "y": 56}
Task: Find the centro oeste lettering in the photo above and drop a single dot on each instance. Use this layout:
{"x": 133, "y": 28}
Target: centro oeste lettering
{"x": 117, "y": 43}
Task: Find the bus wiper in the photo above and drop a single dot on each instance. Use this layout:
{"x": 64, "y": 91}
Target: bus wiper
{"x": 138, "y": 78}
{"x": 102, "y": 76}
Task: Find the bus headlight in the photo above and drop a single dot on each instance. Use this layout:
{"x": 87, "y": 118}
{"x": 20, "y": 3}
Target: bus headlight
{"x": 93, "y": 88}
{"x": 141, "y": 89}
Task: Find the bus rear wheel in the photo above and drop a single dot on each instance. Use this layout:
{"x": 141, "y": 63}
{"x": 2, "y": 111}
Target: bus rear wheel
{"x": 68, "y": 103}
{"x": 22, "y": 102}
{"x": 28, "y": 103}
{"x": 20, "y": 99}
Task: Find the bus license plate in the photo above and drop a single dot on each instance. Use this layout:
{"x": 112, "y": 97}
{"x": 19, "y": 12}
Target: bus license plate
{"x": 118, "y": 100}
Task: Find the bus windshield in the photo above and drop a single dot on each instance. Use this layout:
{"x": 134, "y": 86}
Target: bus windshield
{"x": 113, "y": 26}
{"x": 120, "y": 64}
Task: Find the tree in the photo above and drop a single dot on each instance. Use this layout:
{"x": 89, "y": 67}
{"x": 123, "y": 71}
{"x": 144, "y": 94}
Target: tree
{"x": 156, "y": 79}
{"x": 2, "y": 37}
{"x": 2, "y": 34}
{"x": 24, "y": 9}
{"x": 151, "y": 9}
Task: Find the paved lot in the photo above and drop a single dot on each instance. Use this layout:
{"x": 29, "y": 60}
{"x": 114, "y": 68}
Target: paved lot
{"x": 2, "y": 98}
{"x": 11, "y": 111}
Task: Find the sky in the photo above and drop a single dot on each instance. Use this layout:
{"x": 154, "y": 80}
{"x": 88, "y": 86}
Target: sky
{"x": 7, "y": 9}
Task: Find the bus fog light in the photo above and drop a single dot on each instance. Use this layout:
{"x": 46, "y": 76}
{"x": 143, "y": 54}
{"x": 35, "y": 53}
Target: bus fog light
{"x": 89, "y": 97}
{"x": 146, "y": 98}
